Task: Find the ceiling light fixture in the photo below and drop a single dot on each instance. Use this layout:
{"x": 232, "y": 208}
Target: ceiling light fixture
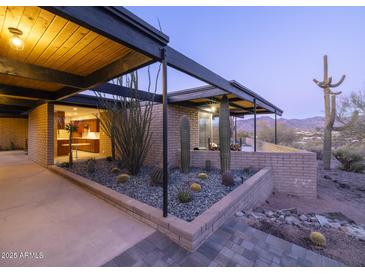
{"x": 15, "y": 41}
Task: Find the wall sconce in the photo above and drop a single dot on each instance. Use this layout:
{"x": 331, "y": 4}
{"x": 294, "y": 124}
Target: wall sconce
{"x": 15, "y": 41}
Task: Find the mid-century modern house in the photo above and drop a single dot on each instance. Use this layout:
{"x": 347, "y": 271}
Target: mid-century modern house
{"x": 48, "y": 55}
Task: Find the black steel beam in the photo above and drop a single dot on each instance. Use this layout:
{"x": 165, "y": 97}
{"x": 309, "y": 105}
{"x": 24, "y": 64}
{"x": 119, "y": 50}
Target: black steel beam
{"x": 165, "y": 135}
{"x": 106, "y": 72}
{"x": 118, "y": 25}
{"x": 16, "y": 68}
{"x": 26, "y": 92}
{"x": 113, "y": 89}
{"x": 276, "y": 129}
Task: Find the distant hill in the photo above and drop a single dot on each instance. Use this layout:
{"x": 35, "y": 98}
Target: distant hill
{"x": 300, "y": 124}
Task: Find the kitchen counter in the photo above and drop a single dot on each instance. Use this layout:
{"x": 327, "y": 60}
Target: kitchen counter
{"x": 88, "y": 145}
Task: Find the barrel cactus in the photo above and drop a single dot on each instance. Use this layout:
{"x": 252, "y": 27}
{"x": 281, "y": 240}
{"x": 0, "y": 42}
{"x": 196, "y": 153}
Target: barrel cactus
{"x": 224, "y": 135}
{"x": 317, "y": 238}
{"x": 123, "y": 178}
{"x": 185, "y": 143}
{"x": 91, "y": 165}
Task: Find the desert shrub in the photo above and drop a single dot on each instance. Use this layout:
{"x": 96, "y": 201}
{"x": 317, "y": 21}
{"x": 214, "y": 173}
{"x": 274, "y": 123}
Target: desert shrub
{"x": 286, "y": 135}
{"x": 317, "y": 149}
{"x": 156, "y": 176}
{"x": 184, "y": 196}
{"x": 350, "y": 159}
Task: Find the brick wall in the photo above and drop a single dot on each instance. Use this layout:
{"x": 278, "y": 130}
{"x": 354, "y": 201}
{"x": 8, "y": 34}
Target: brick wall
{"x": 154, "y": 156}
{"x": 105, "y": 143}
{"x": 294, "y": 172}
{"x": 13, "y": 130}
{"x": 41, "y": 135}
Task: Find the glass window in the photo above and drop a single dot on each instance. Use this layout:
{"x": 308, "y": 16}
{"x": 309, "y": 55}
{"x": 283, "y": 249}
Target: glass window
{"x": 205, "y": 129}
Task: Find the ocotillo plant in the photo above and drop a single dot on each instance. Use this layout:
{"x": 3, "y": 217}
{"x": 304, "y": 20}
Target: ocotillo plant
{"x": 330, "y": 112}
{"x": 185, "y": 143}
{"x": 224, "y": 135}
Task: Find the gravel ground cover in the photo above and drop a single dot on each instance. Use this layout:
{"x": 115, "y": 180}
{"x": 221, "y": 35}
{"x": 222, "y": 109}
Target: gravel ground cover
{"x": 340, "y": 193}
{"x": 139, "y": 188}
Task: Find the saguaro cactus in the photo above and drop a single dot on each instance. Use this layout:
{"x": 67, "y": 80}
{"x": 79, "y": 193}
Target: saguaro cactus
{"x": 330, "y": 112}
{"x": 185, "y": 143}
{"x": 224, "y": 135}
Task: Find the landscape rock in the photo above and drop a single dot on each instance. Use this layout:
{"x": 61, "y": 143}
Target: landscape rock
{"x": 322, "y": 220}
{"x": 239, "y": 214}
{"x": 303, "y": 217}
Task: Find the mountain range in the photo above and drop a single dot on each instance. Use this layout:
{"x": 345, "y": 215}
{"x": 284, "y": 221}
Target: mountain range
{"x": 299, "y": 124}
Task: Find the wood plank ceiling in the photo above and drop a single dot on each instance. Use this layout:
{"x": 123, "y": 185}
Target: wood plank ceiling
{"x": 56, "y": 43}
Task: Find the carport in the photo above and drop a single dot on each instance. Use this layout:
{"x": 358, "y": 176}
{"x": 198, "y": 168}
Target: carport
{"x": 70, "y": 49}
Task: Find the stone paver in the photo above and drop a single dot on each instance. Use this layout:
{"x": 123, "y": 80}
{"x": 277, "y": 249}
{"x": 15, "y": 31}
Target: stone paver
{"x": 234, "y": 244}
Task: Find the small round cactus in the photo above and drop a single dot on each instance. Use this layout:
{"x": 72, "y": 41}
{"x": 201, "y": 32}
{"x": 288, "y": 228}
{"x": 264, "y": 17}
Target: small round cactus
{"x": 317, "y": 238}
{"x": 115, "y": 170}
{"x": 91, "y": 165}
{"x": 196, "y": 187}
{"x": 184, "y": 196}
{"x": 123, "y": 178}
{"x": 202, "y": 176}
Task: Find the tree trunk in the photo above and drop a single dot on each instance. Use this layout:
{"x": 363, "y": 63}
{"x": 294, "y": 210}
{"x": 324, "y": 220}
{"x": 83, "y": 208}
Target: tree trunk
{"x": 70, "y": 161}
{"x": 327, "y": 147}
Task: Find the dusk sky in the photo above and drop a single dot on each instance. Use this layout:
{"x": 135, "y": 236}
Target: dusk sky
{"x": 275, "y": 51}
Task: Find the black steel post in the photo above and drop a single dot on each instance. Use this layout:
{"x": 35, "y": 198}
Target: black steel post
{"x": 164, "y": 133}
{"x": 235, "y": 129}
{"x": 254, "y": 125}
{"x": 276, "y": 129}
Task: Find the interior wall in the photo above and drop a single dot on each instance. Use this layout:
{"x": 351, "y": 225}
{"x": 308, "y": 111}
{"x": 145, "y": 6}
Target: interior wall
{"x": 13, "y": 133}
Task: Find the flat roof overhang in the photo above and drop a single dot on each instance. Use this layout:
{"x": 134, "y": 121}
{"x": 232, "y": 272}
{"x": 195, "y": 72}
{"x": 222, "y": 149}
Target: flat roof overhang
{"x": 240, "y": 102}
{"x": 71, "y": 49}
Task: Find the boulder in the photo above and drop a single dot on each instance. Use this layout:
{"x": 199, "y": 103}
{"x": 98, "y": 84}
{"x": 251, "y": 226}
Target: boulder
{"x": 239, "y": 214}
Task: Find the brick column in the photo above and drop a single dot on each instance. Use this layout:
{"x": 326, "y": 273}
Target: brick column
{"x": 41, "y": 135}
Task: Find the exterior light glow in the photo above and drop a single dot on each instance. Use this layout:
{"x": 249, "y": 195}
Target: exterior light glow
{"x": 75, "y": 109}
{"x": 15, "y": 41}
{"x": 213, "y": 109}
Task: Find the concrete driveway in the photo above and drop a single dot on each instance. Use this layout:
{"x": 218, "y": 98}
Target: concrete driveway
{"x": 45, "y": 220}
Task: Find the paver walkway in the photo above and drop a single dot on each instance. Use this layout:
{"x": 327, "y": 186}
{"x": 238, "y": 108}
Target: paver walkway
{"x": 234, "y": 244}
{"x": 58, "y": 222}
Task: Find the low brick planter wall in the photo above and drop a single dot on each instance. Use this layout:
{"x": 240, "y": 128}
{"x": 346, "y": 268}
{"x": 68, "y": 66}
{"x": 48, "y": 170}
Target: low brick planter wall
{"x": 190, "y": 235}
{"x": 294, "y": 172}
